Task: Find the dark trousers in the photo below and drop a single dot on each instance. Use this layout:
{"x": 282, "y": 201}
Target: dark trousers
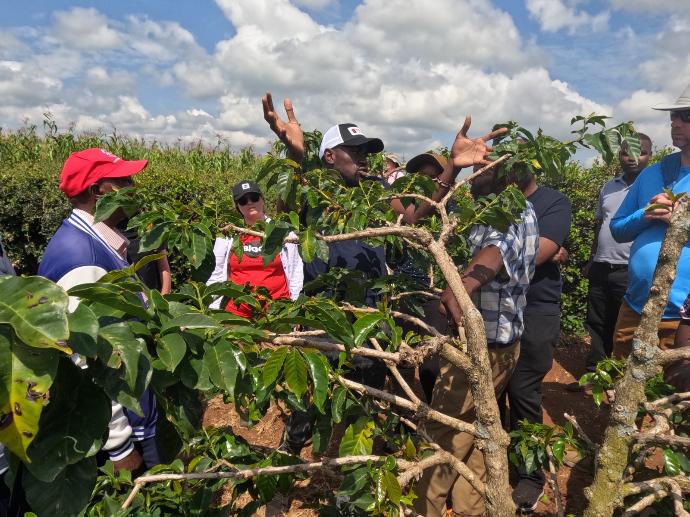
{"x": 12, "y": 502}
{"x": 607, "y": 285}
{"x": 541, "y": 334}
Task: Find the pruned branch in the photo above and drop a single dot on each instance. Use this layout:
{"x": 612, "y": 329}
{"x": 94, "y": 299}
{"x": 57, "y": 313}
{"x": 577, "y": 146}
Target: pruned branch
{"x": 663, "y": 440}
{"x": 421, "y": 409}
{"x": 674, "y": 355}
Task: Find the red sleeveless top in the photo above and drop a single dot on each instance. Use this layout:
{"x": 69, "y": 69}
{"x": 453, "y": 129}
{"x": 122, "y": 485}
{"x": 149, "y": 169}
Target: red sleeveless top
{"x": 250, "y": 269}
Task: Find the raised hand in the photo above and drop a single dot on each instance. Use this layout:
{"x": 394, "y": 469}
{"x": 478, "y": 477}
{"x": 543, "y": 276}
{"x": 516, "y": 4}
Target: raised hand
{"x": 467, "y": 152}
{"x": 290, "y": 132}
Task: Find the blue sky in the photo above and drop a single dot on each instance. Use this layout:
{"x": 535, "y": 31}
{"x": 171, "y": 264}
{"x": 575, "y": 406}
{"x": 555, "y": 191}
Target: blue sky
{"x": 407, "y": 70}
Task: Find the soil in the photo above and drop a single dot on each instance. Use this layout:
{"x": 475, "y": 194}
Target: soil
{"x": 569, "y": 360}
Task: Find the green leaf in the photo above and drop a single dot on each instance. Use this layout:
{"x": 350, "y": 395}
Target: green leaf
{"x": 36, "y": 309}
{"x": 391, "y": 486}
{"x": 26, "y": 375}
{"x": 273, "y": 365}
{"x": 338, "y": 403}
{"x": 112, "y": 295}
{"x": 154, "y": 239}
{"x": 307, "y": 241}
{"x": 222, "y": 366}
{"x": 318, "y": 370}
{"x": 128, "y": 351}
{"x": 683, "y": 461}
{"x": 364, "y": 325}
{"x": 354, "y": 481}
{"x": 83, "y": 331}
{"x": 357, "y": 440}
{"x": 194, "y": 374}
{"x": 171, "y": 349}
{"x": 296, "y": 373}
{"x": 671, "y": 463}
{"x": 73, "y": 425}
{"x": 192, "y": 320}
{"x": 65, "y": 496}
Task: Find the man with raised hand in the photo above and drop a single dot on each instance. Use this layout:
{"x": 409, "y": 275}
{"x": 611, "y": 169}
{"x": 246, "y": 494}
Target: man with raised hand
{"x": 643, "y": 218}
{"x": 345, "y": 148}
{"x": 81, "y": 252}
{"x": 497, "y": 279}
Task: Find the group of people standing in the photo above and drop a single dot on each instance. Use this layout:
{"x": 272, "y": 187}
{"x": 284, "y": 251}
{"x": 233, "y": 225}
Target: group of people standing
{"x": 513, "y": 278}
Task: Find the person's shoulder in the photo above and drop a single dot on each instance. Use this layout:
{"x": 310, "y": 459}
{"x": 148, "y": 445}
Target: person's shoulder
{"x": 553, "y": 196}
{"x": 67, "y": 249}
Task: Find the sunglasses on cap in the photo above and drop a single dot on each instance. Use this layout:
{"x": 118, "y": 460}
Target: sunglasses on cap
{"x": 252, "y": 197}
{"x": 684, "y": 115}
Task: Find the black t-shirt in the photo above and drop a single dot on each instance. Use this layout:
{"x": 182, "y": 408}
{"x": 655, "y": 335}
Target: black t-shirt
{"x": 355, "y": 255}
{"x": 554, "y": 213}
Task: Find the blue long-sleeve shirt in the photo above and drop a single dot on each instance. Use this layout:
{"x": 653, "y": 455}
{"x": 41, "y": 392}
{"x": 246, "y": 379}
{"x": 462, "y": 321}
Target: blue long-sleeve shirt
{"x": 629, "y": 225}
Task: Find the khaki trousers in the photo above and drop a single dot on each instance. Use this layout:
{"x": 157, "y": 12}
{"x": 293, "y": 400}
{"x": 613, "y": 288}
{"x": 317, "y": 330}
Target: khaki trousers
{"x": 626, "y": 325}
{"x": 452, "y": 397}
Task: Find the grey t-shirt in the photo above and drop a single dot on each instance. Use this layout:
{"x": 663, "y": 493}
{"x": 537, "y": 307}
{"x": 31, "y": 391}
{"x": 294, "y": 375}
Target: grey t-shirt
{"x": 608, "y": 250}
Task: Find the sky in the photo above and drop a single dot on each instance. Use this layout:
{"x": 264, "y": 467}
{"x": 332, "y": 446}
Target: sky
{"x": 407, "y": 71}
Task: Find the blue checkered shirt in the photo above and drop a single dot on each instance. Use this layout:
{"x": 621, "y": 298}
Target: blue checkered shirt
{"x": 502, "y": 301}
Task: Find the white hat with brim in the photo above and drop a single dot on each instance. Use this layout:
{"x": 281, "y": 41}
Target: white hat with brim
{"x": 683, "y": 103}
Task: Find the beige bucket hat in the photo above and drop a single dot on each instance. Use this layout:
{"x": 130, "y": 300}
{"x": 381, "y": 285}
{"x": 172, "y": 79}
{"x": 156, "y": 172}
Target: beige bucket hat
{"x": 683, "y": 103}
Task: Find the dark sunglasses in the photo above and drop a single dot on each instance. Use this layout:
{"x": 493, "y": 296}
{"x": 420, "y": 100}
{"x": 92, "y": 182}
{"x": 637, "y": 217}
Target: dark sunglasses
{"x": 252, "y": 197}
{"x": 683, "y": 115}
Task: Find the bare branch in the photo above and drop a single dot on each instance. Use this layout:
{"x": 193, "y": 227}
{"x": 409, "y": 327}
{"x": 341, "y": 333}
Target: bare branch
{"x": 398, "y": 377}
{"x": 259, "y": 471}
{"x": 590, "y": 444}
{"x": 415, "y": 293}
{"x": 645, "y": 502}
{"x": 553, "y": 483}
{"x": 664, "y": 440}
{"x": 674, "y": 355}
{"x": 422, "y": 410}
{"x": 671, "y": 399}
{"x": 396, "y": 314}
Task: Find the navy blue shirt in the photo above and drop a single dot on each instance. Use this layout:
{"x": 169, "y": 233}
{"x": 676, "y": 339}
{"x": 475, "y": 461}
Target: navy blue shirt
{"x": 367, "y": 262}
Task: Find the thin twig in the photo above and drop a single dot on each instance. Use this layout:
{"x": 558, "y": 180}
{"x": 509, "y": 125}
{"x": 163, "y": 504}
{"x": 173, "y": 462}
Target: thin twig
{"x": 553, "y": 482}
{"x": 590, "y": 444}
{"x": 422, "y": 410}
{"x": 249, "y": 473}
{"x": 398, "y": 376}
{"x": 415, "y": 293}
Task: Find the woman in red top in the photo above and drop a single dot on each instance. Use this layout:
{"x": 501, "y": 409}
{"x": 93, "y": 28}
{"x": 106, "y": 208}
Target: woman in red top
{"x": 282, "y": 277}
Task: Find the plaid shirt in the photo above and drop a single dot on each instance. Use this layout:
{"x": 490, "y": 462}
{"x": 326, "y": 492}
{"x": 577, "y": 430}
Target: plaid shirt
{"x": 502, "y": 301}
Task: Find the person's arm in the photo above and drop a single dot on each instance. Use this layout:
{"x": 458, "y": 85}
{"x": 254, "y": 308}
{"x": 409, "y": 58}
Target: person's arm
{"x": 465, "y": 152}
{"x": 290, "y": 133}
{"x": 678, "y": 374}
{"x": 630, "y": 219}
{"x": 221, "y": 251}
{"x": 481, "y": 270}
{"x": 165, "y": 276}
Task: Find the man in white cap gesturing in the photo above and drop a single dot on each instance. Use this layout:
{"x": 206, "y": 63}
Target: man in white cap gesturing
{"x": 646, "y": 228}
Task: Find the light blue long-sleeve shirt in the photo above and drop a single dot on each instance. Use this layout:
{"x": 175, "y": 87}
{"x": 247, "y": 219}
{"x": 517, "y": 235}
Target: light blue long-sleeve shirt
{"x": 629, "y": 225}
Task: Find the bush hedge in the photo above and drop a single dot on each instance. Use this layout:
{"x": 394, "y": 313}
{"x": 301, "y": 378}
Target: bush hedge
{"x": 33, "y": 207}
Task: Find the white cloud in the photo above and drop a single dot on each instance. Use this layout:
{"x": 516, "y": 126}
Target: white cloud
{"x": 405, "y": 70}
{"x": 674, "y": 7}
{"x": 315, "y": 4}
{"x": 555, "y": 15}
{"x": 86, "y": 29}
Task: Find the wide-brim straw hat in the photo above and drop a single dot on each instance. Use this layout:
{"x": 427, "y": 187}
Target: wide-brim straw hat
{"x": 683, "y": 102}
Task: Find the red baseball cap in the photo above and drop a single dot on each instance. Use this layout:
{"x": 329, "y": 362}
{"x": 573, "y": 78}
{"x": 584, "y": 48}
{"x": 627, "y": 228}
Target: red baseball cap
{"x": 86, "y": 167}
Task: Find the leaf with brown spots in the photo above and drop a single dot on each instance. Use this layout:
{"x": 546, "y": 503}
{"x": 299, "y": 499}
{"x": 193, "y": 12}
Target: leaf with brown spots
{"x": 26, "y": 374}
{"x": 36, "y": 309}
